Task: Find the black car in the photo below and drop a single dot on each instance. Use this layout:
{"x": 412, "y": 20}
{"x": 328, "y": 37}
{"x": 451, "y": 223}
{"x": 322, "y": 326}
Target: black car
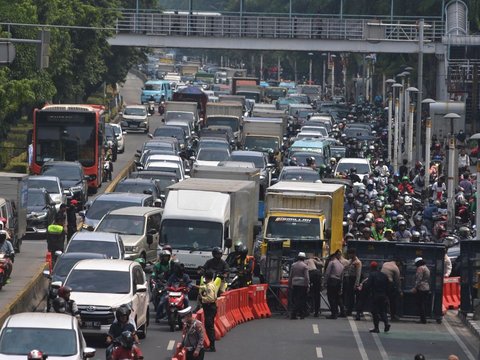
{"x": 40, "y": 211}
{"x": 71, "y": 176}
{"x": 140, "y": 186}
{"x": 111, "y": 140}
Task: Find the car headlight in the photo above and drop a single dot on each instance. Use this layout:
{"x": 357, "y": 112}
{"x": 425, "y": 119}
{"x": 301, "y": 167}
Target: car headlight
{"x": 77, "y": 188}
{"x": 41, "y": 215}
{"x": 131, "y": 248}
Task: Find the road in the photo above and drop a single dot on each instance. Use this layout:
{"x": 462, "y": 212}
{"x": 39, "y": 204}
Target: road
{"x": 283, "y": 339}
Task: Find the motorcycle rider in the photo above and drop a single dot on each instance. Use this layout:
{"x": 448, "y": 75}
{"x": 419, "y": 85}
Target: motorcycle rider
{"x": 70, "y": 305}
{"x": 244, "y": 265}
{"x": 219, "y": 267}
{"x": 6, "y": 248}
{"x": 422, "y": 229}
{"x": 59, "y": 305}
{"x": 419, "y": 181}
{"x": 353, "y": 175}
{"x": 349, "y": 204}
{"x": 180, "y": 278}
{"x": 234, "y": 254}
{"x": 36, "y": 355}
{"x": 402, "y": 234}
{"x": 120, "y": 324}
{"x": 127, "y": 349}
{"x": 161, "y": 272}
{"x": 405, "y": 186}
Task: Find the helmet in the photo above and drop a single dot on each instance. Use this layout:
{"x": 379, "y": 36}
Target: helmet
{"x": 238, "y": 245}
{"x": 350, "y": 196}
{"x": 141, "y": 261}
{"x": 217, "y": 251}
{"x": 35, "y": 355}
{"x": 353, "y": 170}
{"x": 366, "y": 208}
{"x": 333, "y": 160}
{"x": 405, "y": 178}
{"x": 402, "y": 223}
{"x": 63, "y": 291}
{"x": 179, "y": 268}
{"x": 379, "y": 221}
{"x": 165, "y": 253}
{"x": 243, "y": 250}
{"x": 417, "y": 219}
{"x": 464, "y": 232}
{"x": 126, "y": 340}
{"x": 400, "y": 217}
{"x": 379, "y": 204}
{"x": 123, "y": 310}
{"x": 169, "y": 248}
{"x": 3, "y": 221}
{"x": 415, "y": 236}
{"x": 59, "y": 305}
{"x": 310, "y": 160}
{"x": 3, "y": 235}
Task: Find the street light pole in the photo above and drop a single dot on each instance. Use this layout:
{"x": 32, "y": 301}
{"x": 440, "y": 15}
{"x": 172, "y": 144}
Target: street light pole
{"x": 324, "y": 89}
{"x": 333, "y": 56}
{"x": 428, "y": 143}
{"x": 410, "y": 126}
{"x": 451, "y": 172}
{"x": 310, "y": 55}
{"x": 418, "y": 140}
{"x": 396, "y": 137}
{"x": 389, "y": 83}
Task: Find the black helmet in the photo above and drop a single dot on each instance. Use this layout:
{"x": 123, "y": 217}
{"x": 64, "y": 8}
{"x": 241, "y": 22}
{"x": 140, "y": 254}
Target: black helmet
{"x": 353, "y": 170}
{"x": 59, "y": 305}
{"x": 3, "y": 235}
{"x": 122, "y": 311}
{"x": 179, "y": 268}
{"x": 310, "y": 160}
{"x": 243, "y": 250}
{"x": 402, "y": 223}
{"x": 63, "y": 291}
{"x": 127, "y": 340}
{"x": 238, "y": 245}
{"x": 217, "y": 251}
{"x": 417, "y": 219}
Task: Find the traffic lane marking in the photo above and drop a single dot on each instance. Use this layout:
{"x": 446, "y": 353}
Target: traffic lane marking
{"x": 170, "y": 345}
{"x": 358, "y": 339}
{"x": 319, "y": 352}
{"x": 315, "y": 329}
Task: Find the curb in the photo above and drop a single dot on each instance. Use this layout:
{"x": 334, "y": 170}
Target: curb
{"x": 122, "y": 174}
{"x": 29, "y": 298}
{"x": 472, "y": 325}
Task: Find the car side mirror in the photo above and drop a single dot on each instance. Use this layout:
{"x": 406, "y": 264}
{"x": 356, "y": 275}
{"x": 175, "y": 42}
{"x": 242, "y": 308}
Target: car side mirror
{"x": 81, "y": 213}
{"x": 46, "y": 273}
{"x": 150, "y": 136}
{"x": 88, "y": 353}
{"x": 148, "y": 192}
{"x": 228, "y": 243}
{"x": 139, "y": 151}
{"x": 124, "y": 133}
{"x": 141, "y": 288}
{"x": 58, "y": 253}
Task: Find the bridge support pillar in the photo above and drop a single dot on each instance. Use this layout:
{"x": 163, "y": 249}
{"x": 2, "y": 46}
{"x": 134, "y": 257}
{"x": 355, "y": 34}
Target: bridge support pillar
{"x": 441, "y": 89}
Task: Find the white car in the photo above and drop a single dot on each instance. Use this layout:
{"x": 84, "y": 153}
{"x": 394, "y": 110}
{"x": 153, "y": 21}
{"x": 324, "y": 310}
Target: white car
{"x": 211, "y": 156}
{"x": 135, "y": 118}
{"x": 57, "y": 335}
{"x": 167, "y": 166}
{"x": 361, "y": 165}
{"x": 100, "y": 286}
{"x": 166, "y": 158}
{"x": 119, "y": 134}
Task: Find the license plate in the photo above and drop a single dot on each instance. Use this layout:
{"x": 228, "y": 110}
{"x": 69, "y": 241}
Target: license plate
{"x": 133, "y": 125}
{"x": 91, "y": 324}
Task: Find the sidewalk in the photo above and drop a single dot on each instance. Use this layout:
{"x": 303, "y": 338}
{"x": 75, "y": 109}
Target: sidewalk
{"x": 473, "y": 325}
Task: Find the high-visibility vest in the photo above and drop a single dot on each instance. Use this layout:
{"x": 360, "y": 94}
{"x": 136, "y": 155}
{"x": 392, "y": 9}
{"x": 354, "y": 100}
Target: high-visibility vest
{"x": 55, "y": 229}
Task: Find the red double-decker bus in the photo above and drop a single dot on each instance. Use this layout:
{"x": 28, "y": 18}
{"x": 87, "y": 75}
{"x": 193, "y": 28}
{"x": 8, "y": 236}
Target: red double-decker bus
{"x": 70, "y": 133}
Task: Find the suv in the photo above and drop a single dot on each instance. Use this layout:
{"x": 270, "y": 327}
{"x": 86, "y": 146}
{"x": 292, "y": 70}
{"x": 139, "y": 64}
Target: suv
{"x": 100, "y": 286}
{"x": 135, "y": 118}
{"x": 52, "y": 185}
{"x": 57, "y": 335}
{"x": 40, "y": 211}
{"x": 71, "y": 177}
{"x": 139, "y": 228}
{"x": 110, "y": 245}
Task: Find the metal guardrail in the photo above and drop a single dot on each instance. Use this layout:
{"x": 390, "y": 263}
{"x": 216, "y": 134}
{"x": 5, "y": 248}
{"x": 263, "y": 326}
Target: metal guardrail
{"x": 296, "y": 27}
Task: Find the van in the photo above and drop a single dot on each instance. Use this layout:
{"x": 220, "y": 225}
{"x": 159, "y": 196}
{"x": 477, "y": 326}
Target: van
{"x": 157, "y": 89}
{"x": 7, "y": 211}
{"x": 139, "y": 228}
{"x": 317, "y": 146}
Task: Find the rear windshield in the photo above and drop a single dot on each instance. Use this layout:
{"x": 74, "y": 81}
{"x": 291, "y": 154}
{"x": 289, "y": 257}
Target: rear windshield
{"x": 108, "y": 248}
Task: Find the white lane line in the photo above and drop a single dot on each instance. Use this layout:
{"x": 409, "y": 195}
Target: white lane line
{"x": 319, "y": 353}
{"x": 458, "y": 340}
{"x": 358, "y": 339}
{"x": 171, "y": 344}
{"x": 315, "y": 329}
{"x": 383, "y": 353}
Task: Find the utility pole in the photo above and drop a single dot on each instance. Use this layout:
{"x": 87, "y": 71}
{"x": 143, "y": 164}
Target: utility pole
{"x": 452, "y": 163}
{"x": 418, "y": 142}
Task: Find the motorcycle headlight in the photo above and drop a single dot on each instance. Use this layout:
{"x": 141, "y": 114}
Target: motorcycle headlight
{"x": 76, "y": 188}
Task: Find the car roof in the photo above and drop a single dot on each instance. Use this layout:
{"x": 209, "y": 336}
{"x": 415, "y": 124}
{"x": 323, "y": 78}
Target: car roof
{"x": 135, "y": 107}
{"x": 44, "y": 177}
{"x": 298, "y": 169}
{"x": 141, "y": 181}
{"x": 165, "y": 164}
{"x": 82, "y": 255}
{"x": 104, "y": 264}
{"x": 126, "y": 197}
{"x": 247, "y": 153}
{"x": 353, "y": 161}
{"x": 135, "y": 210}
{"x": 40, "y": 320}
{"x": 96, "y": 236}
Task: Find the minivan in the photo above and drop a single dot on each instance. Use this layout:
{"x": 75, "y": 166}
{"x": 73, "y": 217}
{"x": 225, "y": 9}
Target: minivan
{"x": 157, "y": 89}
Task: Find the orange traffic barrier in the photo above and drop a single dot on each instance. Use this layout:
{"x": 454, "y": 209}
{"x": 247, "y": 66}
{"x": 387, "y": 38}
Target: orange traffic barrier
{"x": 229, "y": 311}
{"x": 180, "y": 353}
{"x": 220, "y": 329}
{"x": 235, "y": 299}
{"x": 222, "y": 314}
{"x": 451, "y": 293}
{"x": 48, "y": 259}
{"x": 200, "y": 317}
{"x": 258, "y": 301}
{"x": 243, "y": 304}
{"x": 283, "y": 293}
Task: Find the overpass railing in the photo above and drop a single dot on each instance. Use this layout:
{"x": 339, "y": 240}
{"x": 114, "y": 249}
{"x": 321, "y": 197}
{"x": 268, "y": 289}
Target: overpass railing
{"x": 297, "y": 27}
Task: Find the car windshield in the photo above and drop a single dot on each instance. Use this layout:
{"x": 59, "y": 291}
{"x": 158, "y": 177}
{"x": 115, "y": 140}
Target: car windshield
{"x": 191, "y": 234}
{"x": 257, "y": 160}
{"x": 293, "y": 227}
{"x": 310, "y": 90}
{"x": 260, "y": 143}
{"x": 135, "y": 188}
{"x": 63, "y": 266}
{"x": 50, "y": 186}
{"x": 223, "y": 121}
{"x": 35, "y": 199}
{"x": 135, "y": 111}
{"x": 99, "y": 281}
{"x": 122, "y": 224}
{"x": 154, "y": 87}
{"x": 213, "y": 144}
{"x": 212, "y": 155}
{"x": 170, "y": 132}
{"x": 344, "y": 167}
{"x": 63, "y": 172}
{"x": 108, "y": 248}
{"x": 301, "y": 158}
{"x": 54, "y": 342}
{"x": 101, "y": 207}
{"x": 305, "y": 176}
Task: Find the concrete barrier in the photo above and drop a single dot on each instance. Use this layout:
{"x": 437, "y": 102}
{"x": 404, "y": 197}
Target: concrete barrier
{"x": 139, "y": 74}
{"x": 30, "y": 298}
{"x": 127, "y": 170}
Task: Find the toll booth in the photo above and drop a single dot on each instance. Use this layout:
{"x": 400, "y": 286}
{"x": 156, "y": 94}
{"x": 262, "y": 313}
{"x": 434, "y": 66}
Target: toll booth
{"x": 281, "y": 254}
{"x": 434, "y": 257}
{"x": 470, "y": 267}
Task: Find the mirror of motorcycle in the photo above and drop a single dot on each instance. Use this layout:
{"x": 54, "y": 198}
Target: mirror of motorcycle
{"x": 141, "y": 288}
{"x": 46, "y": 273}
{"x": 88, "y": 352}
{"x": 228, "y": 243}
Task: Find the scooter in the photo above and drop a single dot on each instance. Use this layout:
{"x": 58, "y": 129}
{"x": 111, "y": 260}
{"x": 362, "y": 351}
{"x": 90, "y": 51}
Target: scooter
{"x": 175, "y": 302}
{"x": 158, "y": 291}
{"x": 6, "y": 266}
{"x": 151, "y": 107}
{"x": 161, "y": 108}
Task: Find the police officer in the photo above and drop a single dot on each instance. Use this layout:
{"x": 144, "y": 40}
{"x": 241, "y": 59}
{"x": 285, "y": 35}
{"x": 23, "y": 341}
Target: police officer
{"x": 376, "y": 287}
{"x": 56, "y": 236}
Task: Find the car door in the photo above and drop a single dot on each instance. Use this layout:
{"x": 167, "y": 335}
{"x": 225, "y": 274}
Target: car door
{"x": 140, "y": 298}
{"x": 153, "y": 222}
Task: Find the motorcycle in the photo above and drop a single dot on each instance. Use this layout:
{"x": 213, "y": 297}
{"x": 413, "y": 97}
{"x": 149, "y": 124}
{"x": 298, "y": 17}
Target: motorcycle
{"x": 115, "y": 346}
{"x": 6, "y": 266}
{"x": 161, "y": 108}
{"x": 151, "y": 107}
{"x": 52, "y": 294}
{"x": 158, "y": 291}
{"x": 107, "y": 170}
{"x": 175, "y": 302}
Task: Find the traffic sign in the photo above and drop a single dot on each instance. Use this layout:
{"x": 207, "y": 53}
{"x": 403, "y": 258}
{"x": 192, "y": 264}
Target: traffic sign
{"x": 7, "y": 53}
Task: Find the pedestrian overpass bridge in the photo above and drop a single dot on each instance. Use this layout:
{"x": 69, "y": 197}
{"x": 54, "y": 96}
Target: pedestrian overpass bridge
{"x": 263, "y": 32}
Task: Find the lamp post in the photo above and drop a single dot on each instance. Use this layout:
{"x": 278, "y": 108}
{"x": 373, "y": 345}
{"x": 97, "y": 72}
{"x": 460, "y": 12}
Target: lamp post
{"x": 310, "y": 55}
{"x": 428, "y": 142}
{"x": 324, "y": 90}
{"x": 389, "y": 83}
{"x": 401, "y": 121}
{"x": 451, "y": 172}
{"x": 410, "y": 125}
{"x": 333, "y": 56}
{"x": 396, "y": 144}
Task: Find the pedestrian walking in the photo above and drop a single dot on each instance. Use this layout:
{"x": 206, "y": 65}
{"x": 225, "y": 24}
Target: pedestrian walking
{"x": 208, "y": 298}
{"x": 422, "y": 288}
{"x": 352, "y": 278}
{"x": 333, "y": 282}
{"x": 394, "y": 291}
{"x": 376, "y": 287}
{"x": 71, "y": 219}
{"x": 298, "y": 283}
{"x": 192, "y": 335}
{"x": 315, "y": 274}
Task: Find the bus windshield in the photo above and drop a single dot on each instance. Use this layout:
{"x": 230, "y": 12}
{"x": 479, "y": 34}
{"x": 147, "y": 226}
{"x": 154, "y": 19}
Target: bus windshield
{"x": 65, "y": 137}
